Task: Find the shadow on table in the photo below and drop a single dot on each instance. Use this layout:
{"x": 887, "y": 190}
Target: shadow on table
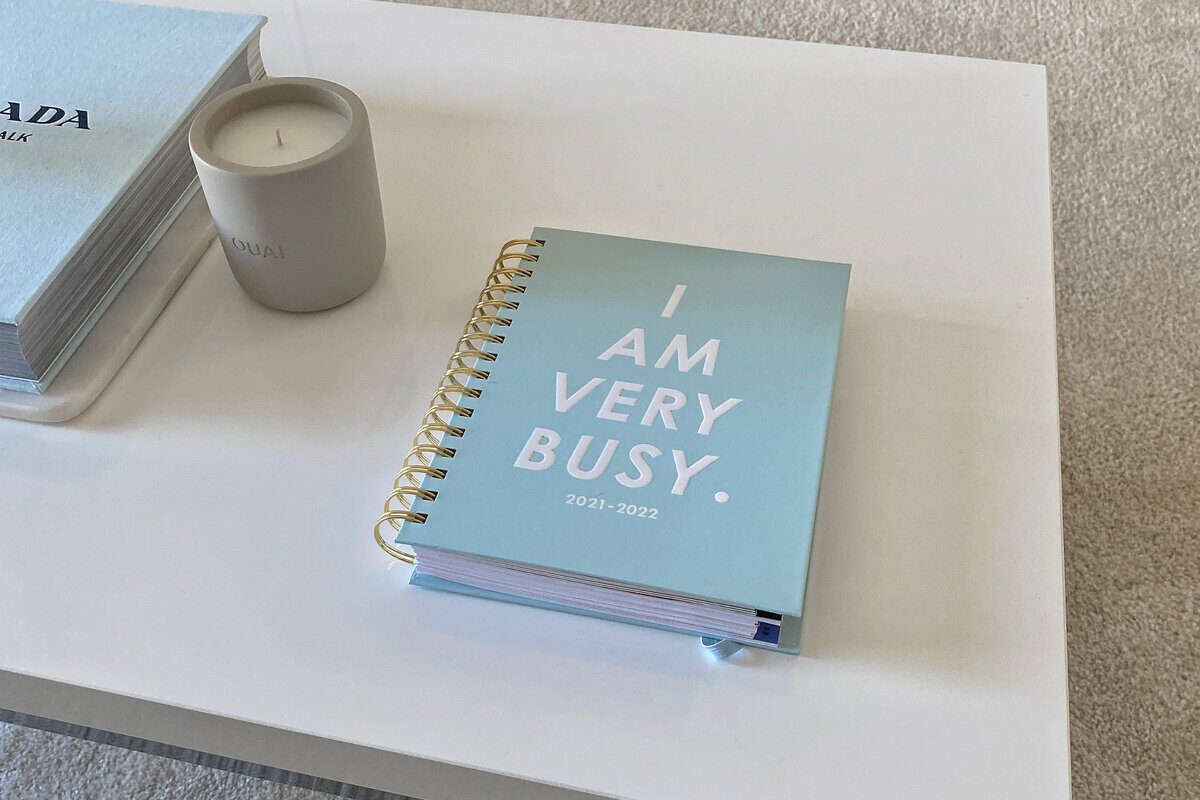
{"x": 904, "y": 554}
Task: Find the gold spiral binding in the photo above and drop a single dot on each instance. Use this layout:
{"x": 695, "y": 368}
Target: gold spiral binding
{"x": 447, "y": 400}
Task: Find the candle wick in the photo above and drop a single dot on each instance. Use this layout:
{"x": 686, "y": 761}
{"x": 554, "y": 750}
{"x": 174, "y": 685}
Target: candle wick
{"x": 278, "y": 138}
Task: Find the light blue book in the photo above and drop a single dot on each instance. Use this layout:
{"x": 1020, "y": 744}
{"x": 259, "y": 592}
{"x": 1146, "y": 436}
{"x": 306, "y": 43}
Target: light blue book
{"x": 94, "y": 110}
{"x": 635, "y": 431}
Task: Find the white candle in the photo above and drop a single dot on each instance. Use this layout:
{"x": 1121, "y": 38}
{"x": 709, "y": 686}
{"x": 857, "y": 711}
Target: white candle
{"x": 298, "y": 213}
{"x": 279, "y": 133}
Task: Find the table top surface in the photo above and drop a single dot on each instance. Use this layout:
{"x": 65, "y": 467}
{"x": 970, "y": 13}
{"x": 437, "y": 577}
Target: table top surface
{"x": 201, "y": 536}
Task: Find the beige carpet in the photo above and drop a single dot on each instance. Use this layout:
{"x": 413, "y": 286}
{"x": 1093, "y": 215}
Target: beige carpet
{"x": 1125, "y": 124}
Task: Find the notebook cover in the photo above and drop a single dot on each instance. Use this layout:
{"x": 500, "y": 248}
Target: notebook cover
{"x": 134, "y": 71}
{"x": 736, "y": 530}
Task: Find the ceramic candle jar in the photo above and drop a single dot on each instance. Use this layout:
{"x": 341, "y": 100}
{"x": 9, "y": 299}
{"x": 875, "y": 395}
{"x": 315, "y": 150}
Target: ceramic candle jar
{"x": 289, "y": 173}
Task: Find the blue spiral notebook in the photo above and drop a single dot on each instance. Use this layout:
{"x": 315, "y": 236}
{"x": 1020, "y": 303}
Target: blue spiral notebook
{"x": 630, "y": 429}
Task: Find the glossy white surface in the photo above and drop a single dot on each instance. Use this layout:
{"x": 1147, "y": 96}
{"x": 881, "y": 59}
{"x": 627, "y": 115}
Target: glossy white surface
{"x": 201, "y": 536}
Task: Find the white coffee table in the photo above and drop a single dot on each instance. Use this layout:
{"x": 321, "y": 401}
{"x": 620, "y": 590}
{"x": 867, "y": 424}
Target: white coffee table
{"x": 190, "y": 561}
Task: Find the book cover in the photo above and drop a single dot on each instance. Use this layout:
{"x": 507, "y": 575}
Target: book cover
{"x": 655, "y": 415}
{"x": 92, "y": 91}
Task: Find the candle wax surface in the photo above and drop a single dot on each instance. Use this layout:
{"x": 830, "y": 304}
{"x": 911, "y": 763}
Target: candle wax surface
{"x": 305, "y": 129}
